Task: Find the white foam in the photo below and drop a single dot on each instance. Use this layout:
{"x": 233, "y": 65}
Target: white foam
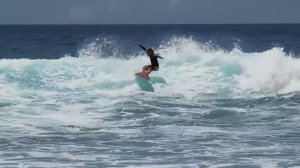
{"x": 190, "y": 69}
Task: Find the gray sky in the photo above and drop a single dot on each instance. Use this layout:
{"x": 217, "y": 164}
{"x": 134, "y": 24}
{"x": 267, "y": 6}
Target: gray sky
{"x": 148, "y": 11}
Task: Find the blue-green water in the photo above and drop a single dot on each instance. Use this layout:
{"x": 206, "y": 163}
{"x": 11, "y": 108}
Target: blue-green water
{"x": 223, "y": 106}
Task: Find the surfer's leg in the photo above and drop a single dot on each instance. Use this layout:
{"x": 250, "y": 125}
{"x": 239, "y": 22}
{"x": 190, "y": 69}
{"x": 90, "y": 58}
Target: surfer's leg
{"x": 153, "y": 68}
{"x": 147, "y": 68}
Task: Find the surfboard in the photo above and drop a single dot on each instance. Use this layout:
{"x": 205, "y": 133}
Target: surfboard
{"x": 157, "y": 79}
{"x": 145, "y": 83}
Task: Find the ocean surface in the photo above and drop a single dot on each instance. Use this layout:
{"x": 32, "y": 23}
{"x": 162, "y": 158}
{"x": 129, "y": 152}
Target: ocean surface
{"x": 68, "y": 96}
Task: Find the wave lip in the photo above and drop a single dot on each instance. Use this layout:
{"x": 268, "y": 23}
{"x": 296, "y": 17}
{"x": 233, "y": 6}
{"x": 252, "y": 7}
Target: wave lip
{"x": 191, "y": 69}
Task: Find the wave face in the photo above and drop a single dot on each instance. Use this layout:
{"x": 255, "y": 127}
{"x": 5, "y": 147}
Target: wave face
{"x": 192, "y": 69}
{"x": 222, "y": 107}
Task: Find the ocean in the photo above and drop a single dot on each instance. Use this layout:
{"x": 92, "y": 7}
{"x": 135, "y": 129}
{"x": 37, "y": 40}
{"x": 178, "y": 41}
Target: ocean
{"x": 68, "y": 97}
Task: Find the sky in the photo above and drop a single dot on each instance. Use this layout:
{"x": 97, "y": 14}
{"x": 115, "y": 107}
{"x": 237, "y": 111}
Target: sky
{"x": 148, "y": 11}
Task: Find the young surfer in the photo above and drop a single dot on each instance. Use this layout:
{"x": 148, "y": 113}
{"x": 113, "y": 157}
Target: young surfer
{"x": 154, "y": 66}
{"x": 142, "y": 78}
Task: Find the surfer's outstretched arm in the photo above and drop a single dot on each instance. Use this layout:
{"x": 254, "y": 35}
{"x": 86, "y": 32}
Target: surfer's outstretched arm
{"x": 158, "y": 56}
{"x": 142, "y": 47}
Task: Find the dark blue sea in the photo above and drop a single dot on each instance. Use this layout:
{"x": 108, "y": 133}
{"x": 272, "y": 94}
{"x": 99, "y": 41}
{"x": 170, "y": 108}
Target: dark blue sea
{"x": 68, "y": 96}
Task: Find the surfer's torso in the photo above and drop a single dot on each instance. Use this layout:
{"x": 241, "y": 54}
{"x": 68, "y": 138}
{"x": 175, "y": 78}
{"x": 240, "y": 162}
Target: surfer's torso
{"x": 154, "y": 62}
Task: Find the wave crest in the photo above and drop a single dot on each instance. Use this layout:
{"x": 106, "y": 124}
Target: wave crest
{"x": 191, "y": 68}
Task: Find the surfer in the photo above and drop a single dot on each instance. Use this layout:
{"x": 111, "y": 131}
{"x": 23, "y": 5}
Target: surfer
{"x": 154, "y": 66}
{"x": 142, "y": 78}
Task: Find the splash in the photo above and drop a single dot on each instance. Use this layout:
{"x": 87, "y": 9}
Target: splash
{"x": 191, "y": 69}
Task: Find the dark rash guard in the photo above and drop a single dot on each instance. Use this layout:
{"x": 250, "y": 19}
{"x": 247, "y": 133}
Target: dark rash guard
{"x": 154, "y": 61}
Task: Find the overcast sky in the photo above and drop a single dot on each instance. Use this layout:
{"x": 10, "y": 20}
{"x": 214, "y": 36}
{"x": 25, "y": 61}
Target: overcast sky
{"x": 148, "y": 11}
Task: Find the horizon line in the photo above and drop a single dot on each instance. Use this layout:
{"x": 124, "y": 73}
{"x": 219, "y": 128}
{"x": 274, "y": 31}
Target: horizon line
{"x": 100, "y": 24}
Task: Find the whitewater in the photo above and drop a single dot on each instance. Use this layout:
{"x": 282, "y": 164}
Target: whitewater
{"x": 220, "y": 108}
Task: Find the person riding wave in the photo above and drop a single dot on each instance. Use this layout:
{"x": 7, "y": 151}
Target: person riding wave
{"x": 154, "y": 66}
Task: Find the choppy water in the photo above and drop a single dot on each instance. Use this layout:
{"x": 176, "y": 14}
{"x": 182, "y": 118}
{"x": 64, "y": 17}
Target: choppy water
{"x": 228, "y": 103}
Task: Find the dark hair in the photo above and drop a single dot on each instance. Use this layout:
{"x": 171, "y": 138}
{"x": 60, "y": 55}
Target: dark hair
{"x": 149, "y": 50}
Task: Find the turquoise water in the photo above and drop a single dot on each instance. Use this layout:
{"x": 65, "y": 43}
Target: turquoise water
{"x": 220, "y": 108}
